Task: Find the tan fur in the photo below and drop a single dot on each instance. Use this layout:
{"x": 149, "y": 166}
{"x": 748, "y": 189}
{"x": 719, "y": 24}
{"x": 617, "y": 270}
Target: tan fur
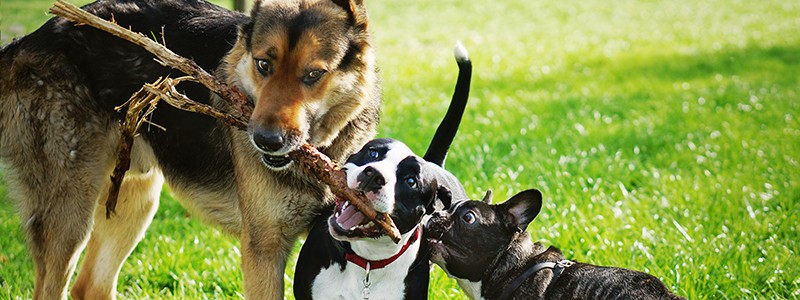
{"x": 57, "y": 152}
{"x": 112, "y": 240}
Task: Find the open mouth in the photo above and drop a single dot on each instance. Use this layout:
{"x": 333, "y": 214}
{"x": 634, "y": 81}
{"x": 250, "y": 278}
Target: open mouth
{"x": 275, "y": 161}
{"x": 348, "y": 222}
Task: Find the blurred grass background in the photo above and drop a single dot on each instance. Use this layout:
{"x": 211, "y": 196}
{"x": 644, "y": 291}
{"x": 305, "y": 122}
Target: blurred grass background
{"x": 665, "y": 136}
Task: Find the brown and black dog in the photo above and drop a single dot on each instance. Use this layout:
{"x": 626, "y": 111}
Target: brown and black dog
{"x": 307, "y": 65}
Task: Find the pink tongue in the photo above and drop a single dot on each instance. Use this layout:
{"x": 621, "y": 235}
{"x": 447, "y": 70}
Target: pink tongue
{"x": 350, "y": 217}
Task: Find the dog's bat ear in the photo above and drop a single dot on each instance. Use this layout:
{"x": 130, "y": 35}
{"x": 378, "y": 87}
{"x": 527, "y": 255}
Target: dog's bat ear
{"x": 445, "y": 196}
{"x": 488, "y": 197}
{"x": 356, "y": 12}
{"x": 441, "y": 197}
{"x": 521, "y": 209}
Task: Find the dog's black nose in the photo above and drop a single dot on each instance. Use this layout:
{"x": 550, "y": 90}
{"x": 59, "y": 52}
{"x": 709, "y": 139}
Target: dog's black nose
{"x": 370, "y": 179}
{"x": 268, "y": 139}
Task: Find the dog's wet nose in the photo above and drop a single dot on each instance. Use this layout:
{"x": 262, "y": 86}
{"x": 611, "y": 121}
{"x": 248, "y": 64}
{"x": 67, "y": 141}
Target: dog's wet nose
{"x": 370, "y": 179}
{"x": 268, "y": 139}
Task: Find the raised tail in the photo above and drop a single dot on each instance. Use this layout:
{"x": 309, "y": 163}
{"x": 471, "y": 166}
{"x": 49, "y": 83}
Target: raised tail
{"x": 440, "y": 144}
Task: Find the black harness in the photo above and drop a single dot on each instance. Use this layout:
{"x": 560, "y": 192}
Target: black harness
{"x": 557, "y": 268}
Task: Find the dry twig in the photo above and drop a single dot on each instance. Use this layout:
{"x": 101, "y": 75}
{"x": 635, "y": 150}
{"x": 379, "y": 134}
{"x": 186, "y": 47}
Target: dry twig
{"x": 133, "y": 120}
{"x": 166, "y": 91}
{"x": 165, "y": 57}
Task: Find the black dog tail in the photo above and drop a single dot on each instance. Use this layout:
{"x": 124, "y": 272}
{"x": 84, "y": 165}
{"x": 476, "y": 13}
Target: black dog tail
{"x": 440, "y": 144}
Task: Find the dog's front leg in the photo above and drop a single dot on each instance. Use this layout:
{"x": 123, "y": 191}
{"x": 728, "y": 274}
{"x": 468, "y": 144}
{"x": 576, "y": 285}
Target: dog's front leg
{"x": 264, "y": 253}
{"x": 265, "y": 241}
{"x": 274, "y": 214}
{"x": 276, "y": 207}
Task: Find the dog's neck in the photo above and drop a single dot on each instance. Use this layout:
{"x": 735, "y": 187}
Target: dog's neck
{"x": 384, "y": 248}
{"x": 520, "y": 255}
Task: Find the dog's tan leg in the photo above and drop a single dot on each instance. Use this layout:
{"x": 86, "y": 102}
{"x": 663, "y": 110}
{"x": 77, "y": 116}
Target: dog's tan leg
{"x": 114, "y": 238}
{"x": 270, "y": 226}
{"x": 264, "y": 255}
{"x": 266, "y": 239}
{"x": 275, "y": 210}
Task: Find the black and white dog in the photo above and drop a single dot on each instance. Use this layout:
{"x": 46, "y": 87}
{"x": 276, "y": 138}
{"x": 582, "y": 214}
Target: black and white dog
{"x": 346, "y": 256}
{"x": 486, "y": 248}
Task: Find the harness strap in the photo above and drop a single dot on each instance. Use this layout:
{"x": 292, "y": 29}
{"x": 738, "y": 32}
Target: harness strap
{"x": 557, "y": 268}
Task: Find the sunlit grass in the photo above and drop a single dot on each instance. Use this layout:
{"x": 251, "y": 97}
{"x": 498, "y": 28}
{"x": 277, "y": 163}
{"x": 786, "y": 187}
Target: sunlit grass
{"x": 664, "y": 136}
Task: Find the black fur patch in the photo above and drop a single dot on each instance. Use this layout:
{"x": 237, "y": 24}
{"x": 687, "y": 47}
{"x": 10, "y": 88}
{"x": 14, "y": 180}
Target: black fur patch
{"x": 350, "y": 57}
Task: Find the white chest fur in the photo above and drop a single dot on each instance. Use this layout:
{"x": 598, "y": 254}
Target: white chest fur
{"x": 385, "y": 283}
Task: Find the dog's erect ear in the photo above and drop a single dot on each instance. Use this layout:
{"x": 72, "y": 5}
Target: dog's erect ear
{"x": 488, "y": 197}
{"x": 356, "y": 12}
{"x": 521, "y": 209}
{"x": 442, "y": 198}
{"x": 445, "y": 196}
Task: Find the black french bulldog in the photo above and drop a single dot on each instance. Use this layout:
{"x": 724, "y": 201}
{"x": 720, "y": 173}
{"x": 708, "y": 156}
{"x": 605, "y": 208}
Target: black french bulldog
{"x": 346, "y": 256}
{"x": 486, "y": 248}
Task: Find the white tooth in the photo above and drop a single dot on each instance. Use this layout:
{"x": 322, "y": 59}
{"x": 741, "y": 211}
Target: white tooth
{"x": 369, "y": 224}
{"x": 353, "y": 228}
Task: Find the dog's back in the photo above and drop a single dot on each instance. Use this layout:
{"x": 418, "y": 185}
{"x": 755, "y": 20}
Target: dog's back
{"x": 585, "y": 281}
{"x": 53, "y": 81}
{"x": 581, "y": 281}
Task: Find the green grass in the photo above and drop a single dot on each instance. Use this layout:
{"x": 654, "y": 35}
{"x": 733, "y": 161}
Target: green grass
{"x": 665, "y": 136}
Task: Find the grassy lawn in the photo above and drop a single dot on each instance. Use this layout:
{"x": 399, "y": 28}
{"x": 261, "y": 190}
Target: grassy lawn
{"x": 665, "y": 136}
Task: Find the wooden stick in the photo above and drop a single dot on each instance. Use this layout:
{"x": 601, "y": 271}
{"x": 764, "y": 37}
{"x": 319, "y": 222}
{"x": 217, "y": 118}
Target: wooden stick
{"x": 165, "y": 56}
{"x": 318, "y": 165}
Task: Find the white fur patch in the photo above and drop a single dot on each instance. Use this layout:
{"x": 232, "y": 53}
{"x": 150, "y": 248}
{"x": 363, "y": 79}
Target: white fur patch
{"x": 243, "y": 79}
{"x": 385, "y": 283}
{"x": 460, "y": 52}
{"x": 471, "y": 288}
{"x": 382, "y": 247}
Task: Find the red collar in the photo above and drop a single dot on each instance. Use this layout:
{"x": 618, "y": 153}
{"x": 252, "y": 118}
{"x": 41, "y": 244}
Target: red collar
{"x": 377, "y": 264}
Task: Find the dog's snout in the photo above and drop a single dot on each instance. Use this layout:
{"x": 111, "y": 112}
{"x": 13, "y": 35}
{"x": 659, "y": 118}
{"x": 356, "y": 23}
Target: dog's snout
{"x": 438, "y": 216}
{"x": 370, "y": 179}
{"x": 268, "y": 139}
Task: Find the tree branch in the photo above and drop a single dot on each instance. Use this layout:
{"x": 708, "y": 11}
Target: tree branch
{"x": 165, "y": 56}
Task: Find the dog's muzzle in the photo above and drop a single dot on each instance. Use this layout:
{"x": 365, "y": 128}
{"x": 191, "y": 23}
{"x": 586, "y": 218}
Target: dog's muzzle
{"x": 270, "y": 141}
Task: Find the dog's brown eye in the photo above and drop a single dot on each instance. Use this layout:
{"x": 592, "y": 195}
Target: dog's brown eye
{"x": 313, "y": 76}
{"x": 264, "y": 67}
{"x": 469, "y": 217}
